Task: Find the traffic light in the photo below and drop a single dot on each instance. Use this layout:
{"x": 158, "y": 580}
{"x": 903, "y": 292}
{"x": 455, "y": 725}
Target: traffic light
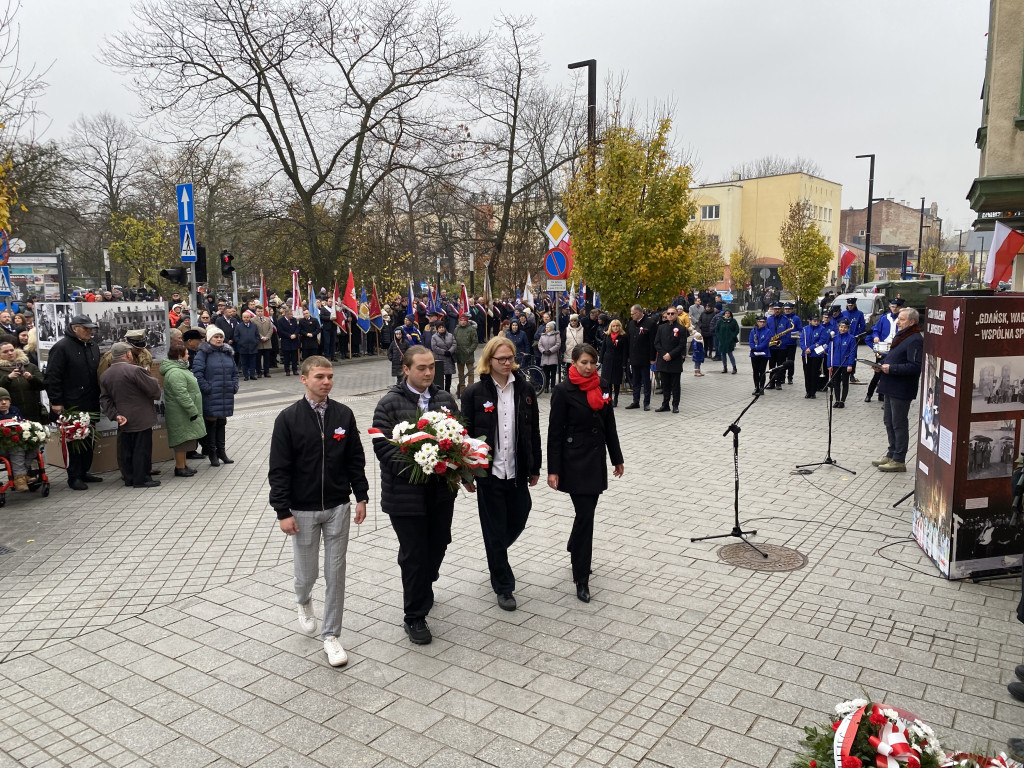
{"x": 225, "y": 263}
{"x": 200, "y": 265}
{"x": 177, "y": 275}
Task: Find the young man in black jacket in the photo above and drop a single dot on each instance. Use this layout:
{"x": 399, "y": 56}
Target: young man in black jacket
{"x": 502, "y": 409}
{"x": 421, "y": 514}
{"x": 316, "y": 465}
{"x": 640, "y": 351}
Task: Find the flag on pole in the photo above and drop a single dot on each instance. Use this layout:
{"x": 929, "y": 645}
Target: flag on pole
{"x": 431, "y": 300}
{"x": 349, "y": 301}
{"x": 488, "y": 296}
{"x": 311, "y": 299}
{"x": 1006, "y": 244}
{"x": 410, "y": 311}
{"x": 296, "y": 294}
{"x": 464, "y": 301}
{"x": 572, "y": 296}
{"x": 582, "y": 298}
{"x": 376, "y": 316}
{"x": 597, "y": 300}
{"x": 363, "y": 318}
{"x": 339, "y": 310}
{"x": 846, "y": 259}
{"x": 263, "y": 295}
{"x": 528, "y": 291}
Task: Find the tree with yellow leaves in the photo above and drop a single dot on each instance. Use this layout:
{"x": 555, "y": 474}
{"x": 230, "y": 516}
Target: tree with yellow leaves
{"x": 140, "y": 246}
{"x": 628, "y": 217}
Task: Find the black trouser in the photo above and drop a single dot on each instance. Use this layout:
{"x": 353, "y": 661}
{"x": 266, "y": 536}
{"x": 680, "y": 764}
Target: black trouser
{"x": 550, "y": 374}
{"x": 760, "y": 365}
{"x": 266, "y": 360}
{"x": 446, "y": 382}
{"x": 897, "y": 427}
{"x": 422, "y": 542}
{"x": 873, "y": 383}
{"x": 841, "y": 384}
{"x": 670, "y": 388}
{"x": 581, "y": 539}
{"x": 135, "y": 455}
{"x": 640, "y": 378}
{"x": 790, "y": 363}
{"x": 504, "y": 509}
{"x": 290, "y": 360}
{"x": 812, "y": 373}
{"x": 778, "y": 361}
{"x": 79, "y": 459}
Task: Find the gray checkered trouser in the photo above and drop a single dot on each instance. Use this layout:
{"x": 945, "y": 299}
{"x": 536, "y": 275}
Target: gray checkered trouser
{"x": 332, "y": 525}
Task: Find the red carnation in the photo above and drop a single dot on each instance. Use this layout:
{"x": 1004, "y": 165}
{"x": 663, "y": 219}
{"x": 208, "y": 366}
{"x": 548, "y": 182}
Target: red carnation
{"x": 404, "y": 449}
{"x": 852, "y": 761}
{"x": 877, "y": 718}
{"x": 422, "y": 423}
{"x": 15, "y": 438}
{"x": 440, "y": 468}
{"x": 465, "y": 432}
{"x": 835, "y": 725}
{"x": 444, "y": 444}
{"x": 812, "y": 764}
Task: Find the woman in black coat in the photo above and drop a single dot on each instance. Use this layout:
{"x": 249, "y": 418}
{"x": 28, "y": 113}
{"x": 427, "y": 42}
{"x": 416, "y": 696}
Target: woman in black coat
{"x": 613, "y": 360}
{"x": 581, "y": 427}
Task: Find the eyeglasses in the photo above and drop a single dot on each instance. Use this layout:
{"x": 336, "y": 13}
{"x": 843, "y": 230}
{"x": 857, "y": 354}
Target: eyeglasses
{"x": 504, "y": 360}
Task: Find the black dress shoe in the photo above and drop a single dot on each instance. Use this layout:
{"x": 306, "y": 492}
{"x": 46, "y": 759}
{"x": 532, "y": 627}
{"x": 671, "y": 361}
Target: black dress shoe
{"x": 418, "y": 631}
{"x": 506, "y": 602}
{"x": 90, "y": 478}
{"x": 675, "y": 409}
{"x": 1016, "y": 690}
{"x": 868, "y": 398}
{"x": 184, "y": 472}
{"x": 1019, "y": 672}
{"x": 77, "y": 485}
{"x": 583, "y": 591}
{"x": 153, "y": 472}
{"x": 647, "y": 407}
{"x": 839, "y": 405}
{"x": 662, "y": 409}
{"x": 148, "y": 484}
{"x": 632, "y": 406}
{"x": 194, "y": 455}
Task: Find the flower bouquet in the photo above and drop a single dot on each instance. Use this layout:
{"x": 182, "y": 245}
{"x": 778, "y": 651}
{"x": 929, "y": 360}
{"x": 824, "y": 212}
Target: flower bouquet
{"x": 437, "y": 445}
{"x": 27, "y": 435}
{"x": 863, "y": 734}
{"x": 77, "y": 431}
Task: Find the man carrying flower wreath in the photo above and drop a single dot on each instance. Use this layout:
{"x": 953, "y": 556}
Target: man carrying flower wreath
{"x": 316, "y": 465}
{"x": 421, "y": 513}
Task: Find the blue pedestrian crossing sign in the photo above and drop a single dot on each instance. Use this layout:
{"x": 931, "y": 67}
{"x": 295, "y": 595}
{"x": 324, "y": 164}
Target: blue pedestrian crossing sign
{"x": 5, "y": 281}
{"x": 186, "y": 210}
{"x": 187, "y": 238}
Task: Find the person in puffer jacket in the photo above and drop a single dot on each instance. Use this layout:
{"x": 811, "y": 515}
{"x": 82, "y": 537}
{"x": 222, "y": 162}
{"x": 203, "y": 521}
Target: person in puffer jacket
{"x": 215, "y": 370}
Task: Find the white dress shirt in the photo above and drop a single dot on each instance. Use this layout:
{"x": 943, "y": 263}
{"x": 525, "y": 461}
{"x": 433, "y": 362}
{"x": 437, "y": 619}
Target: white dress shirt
{"x": 504, "y": 465}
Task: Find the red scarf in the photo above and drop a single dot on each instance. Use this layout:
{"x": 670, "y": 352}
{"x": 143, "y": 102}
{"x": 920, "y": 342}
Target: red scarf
{"x": 589, "y": 384}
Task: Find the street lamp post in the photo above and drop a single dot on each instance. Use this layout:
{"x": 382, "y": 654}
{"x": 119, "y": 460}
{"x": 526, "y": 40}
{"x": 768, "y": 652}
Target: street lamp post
{"x": 867, "y": 228}
{"x": 591, "y": 65}
{"x": 920, "y": 237}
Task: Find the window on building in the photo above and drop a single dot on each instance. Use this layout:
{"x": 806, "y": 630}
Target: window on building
{"x": 693, "y": 217}
{"x": 426, "y": 227}
{"x": 709, "y": 212}
{"x": 862, "y": 233}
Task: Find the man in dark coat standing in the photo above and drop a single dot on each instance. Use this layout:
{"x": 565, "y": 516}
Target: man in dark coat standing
{"x": 670, "y": 353}
{"x": 288, "y": 332}
{"x": 900, "y": 374}
{"x": 502, "y": 408}
{"x": 127, "y": 393}
{"x": 421, "y": 514}
{"x": 72, "y": 383}
{"x": 640, "y": 353}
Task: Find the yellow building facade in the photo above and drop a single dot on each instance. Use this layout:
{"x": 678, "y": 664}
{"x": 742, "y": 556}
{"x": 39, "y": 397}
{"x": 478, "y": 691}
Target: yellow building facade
{"x": 757, "y": 208}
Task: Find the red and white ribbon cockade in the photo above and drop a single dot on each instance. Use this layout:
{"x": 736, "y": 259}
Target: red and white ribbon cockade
{"x": 892, "y": 744}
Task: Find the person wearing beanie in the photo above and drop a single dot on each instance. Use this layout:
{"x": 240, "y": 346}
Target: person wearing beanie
{"x": 548, "y": 345}
{"x": 573, "y": 338}
{"x": 15, "y": 456}
{"x": 127, "y": 393}
{"x": 215, "y": 370}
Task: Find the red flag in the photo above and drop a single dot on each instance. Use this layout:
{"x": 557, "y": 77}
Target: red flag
{"x": 263, "y": 295}
{"x": 1006, "y": 244}
{"x": 339, "y": 311}
{"x": 376, "y": 318}
{"x": 846, "y": 258}
{"x": 464, "y": 301}
{"x": 349, "y": 302}
{"x": 296, "y": 294}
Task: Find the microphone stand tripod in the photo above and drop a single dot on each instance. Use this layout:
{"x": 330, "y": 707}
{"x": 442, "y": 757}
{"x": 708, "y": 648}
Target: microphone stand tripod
{"x": 737, "y": 532}
{"x": 828, "y": 461}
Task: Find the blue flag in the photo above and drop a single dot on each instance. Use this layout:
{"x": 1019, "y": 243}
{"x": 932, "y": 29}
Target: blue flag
{"x": 410, "y": 311}
{"x": 597, "y": 300}
{"x": 363, "y": 320}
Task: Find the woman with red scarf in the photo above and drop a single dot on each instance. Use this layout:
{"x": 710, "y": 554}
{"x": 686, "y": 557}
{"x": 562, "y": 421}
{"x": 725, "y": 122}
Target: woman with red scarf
{"x": 581, "y": 427}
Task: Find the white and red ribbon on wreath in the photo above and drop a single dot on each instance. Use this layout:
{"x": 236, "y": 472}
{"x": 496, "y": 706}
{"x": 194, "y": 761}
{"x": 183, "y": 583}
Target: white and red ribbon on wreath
{"x": 892, "y": 744}
{"x": 979, "y": 761}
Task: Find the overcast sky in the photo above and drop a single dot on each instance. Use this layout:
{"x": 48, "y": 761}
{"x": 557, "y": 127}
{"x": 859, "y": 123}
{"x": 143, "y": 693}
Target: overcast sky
{"x": 823, "y": 80}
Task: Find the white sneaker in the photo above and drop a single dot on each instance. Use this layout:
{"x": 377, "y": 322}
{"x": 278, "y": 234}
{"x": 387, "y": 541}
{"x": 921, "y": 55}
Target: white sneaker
{"x": 336, "y": 655}
{"x": 307, "y": 621}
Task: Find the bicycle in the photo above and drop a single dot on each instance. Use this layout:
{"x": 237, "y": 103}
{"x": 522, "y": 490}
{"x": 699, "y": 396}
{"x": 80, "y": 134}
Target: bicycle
{"x": 533, "y": 373}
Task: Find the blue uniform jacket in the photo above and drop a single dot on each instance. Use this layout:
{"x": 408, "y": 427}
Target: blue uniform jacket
{"x": 843, "y": 350}
{"x": 856, "y": 318}
{"x": 811, "y": 337}
{"x": 832, "y": 326}
{"x": 776, "y": 325}
{"x": 759, "y": 338}
{"x": 881, "y": 330}
{"x": 794, "y": 338}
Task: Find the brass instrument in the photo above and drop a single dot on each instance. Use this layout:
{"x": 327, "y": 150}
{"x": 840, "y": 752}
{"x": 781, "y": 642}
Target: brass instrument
{"x": 776, "y": 340}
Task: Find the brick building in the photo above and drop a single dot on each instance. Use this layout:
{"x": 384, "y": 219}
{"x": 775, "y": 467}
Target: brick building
{"x": 891, "y": 222}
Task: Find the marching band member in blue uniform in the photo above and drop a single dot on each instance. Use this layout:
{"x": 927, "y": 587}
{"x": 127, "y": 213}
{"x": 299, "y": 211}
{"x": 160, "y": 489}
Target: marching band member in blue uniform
{"x": 857, "y": 328}
{"x": 778, "y": 323}
{"x": 792, "y": 340}
{"x": 831, "y": 321}
{"x": 842, "y": 354}
{"x": 882, "y": 335}
{"x": 814, "y": 343}
{"x": 759, "y": 352}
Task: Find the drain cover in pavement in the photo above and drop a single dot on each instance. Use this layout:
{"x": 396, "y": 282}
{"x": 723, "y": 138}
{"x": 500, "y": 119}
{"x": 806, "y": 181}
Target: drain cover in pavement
{"x": 779, "y": 558}
{"x": 6, "y": 551}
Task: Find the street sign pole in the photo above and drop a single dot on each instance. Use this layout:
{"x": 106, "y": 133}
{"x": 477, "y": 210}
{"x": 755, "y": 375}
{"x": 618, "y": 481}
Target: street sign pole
{"x": 472, "y": 289}
{"x": 234, "y": 289}
{"x": 106, "y": 268}
{"x": 193, "y": 301}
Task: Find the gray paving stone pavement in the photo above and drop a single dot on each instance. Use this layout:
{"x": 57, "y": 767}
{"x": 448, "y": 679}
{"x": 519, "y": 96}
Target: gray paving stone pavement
{"x": 156, "y": 628}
